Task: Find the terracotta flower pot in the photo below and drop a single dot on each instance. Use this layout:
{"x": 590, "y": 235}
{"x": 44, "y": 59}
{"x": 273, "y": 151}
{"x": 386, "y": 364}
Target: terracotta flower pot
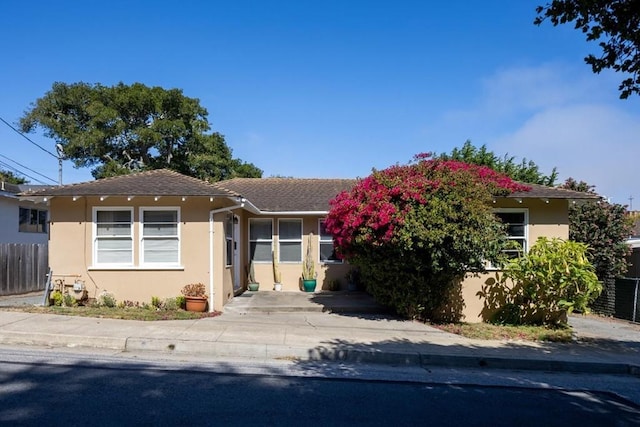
{"x": 198, "y": 304}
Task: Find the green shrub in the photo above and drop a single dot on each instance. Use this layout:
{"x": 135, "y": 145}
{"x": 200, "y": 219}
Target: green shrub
{"x": 181, "y": 301}
{"x": 69, "y": 300}
{"x": 553, "y": 279}
{"x": 156, "y": 302}
{"x": 170, "y": 304}
{"x": 57, "y": 298}
{"x": 106, "y": 299}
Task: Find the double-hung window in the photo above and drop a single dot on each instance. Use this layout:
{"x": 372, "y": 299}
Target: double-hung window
{"x": 290, "y": 240}
{"x": 32, "y": 221}
{"x": 113, "y": 236}
{"x": 260, "y": 239}
{"x": 327, "y": 250}
{"x": 515, "y": 221}
{"x": 160, "y": 242}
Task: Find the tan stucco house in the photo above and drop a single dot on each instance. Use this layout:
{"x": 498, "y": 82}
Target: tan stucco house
{"x": 150, "y": 233}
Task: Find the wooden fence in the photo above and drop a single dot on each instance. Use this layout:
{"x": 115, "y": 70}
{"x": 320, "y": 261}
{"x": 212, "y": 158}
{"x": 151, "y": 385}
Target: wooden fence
{"x": 23, "y": 268}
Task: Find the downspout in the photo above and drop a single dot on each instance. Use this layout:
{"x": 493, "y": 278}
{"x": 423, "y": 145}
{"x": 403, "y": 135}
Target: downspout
{"x": 212, "y": 213}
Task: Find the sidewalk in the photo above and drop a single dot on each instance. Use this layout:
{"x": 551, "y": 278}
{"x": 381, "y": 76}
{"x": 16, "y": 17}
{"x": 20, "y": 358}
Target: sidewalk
{"x": 248, "y": 330}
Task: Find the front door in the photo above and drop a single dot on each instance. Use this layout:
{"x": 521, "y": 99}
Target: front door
{"x": 237, "y": 281}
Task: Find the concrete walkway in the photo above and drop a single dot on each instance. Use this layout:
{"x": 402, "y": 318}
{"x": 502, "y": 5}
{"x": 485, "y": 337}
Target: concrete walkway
{"x": 331, "y": 326}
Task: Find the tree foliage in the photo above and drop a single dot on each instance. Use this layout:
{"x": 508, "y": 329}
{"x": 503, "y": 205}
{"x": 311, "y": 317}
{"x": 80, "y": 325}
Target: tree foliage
{"x": 554, "y": 278}
{"x": 122, "y": 128}
{"x": 524, "y": 171}
{"x": 11, "y": 178}
{"x": 415, "y": 230}
{"x": 616, "y": 22}
{"x": 604, "y": 227}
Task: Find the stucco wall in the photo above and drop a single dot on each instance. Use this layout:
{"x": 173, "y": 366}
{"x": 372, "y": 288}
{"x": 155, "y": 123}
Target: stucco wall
{"x": 292, "y": 271}
{"x": 545, "y": 219}
{"x": 71, "y": 249}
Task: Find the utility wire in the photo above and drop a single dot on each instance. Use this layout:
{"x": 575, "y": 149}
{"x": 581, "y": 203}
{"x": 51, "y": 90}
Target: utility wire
{"x": 8, "y": 166}
{"x": 27, "y": 138}
{"x": 29, "y": 169}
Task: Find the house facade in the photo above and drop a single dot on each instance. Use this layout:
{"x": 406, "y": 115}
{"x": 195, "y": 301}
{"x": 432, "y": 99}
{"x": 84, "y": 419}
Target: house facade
{"x": 150, "y": 233}
{"x": 22, "y": 221}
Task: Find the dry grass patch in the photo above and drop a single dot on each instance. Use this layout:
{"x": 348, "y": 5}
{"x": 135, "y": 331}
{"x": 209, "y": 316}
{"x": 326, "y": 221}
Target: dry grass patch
{"x": 487, "y": 331}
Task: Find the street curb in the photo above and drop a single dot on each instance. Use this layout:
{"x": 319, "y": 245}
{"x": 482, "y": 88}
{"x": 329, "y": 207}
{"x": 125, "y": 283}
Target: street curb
{"x": 61, "y": 340}
{"x": 318, "y": 354}
{"x": 338, "y": 354}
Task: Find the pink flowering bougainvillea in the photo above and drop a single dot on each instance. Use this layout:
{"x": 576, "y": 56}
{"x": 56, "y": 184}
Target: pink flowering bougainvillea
{"x": 424, "y": 223}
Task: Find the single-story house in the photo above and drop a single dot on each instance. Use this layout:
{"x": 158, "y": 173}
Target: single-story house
{"x": 150, "y": 233}
{"x": 22, "y": 221}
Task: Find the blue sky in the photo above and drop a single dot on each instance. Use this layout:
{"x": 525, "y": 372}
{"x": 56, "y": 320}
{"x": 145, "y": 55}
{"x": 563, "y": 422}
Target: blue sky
{"x": 336, "y": 88}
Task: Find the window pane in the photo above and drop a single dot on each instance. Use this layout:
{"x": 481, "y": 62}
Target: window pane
{"x": 515, "y": 230}
{"x": 113, "y": 251}
{"x": 113, "y": 230}
{"x": 113, "y": 216}
{"x": 160, "y": 216}
{"x": 161, "y": 250}
{"x": 290, "y": 229}
{"x": 42, "y": 221}
{"x": 229, "y": 249}
{"x": 260, "y": 230}
{"x": 260, "y": 251}
{"x": 160, "y": 230}
{"x": 291, "y": 251}
{"x": 323, "y": 232}
{"x": 327, "y": 252}
{"x": 511, "y": 217}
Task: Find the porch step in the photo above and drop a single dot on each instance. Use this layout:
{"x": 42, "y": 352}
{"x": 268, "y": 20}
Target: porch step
{"x": 288, "y": 302}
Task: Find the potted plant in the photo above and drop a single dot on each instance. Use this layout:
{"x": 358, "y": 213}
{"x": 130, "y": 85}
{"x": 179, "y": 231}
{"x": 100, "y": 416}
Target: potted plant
{"x": 277, "y": 275}
{"x": 195, "y": 297}
{"x": 309, "y": 273}
{"x": 252, "y": 284}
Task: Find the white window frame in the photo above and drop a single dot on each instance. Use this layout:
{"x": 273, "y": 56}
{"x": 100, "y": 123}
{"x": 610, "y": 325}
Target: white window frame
{"x": 270, "y": 240}
{"x": 524, "y": 211}
{"x": 325, "y": 241}
{"x": 95, "y": 239}
{"x": 177, "y": 237}
{"x": 298, "y": 240}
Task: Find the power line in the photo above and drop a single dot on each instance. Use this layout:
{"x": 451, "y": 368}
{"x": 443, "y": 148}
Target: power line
{"x": 8, "y": 166}
{"x": 27, "y": 168}
{"x": 27, "y": 138}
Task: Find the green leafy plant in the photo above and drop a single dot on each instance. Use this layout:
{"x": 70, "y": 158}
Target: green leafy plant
{"x": 552, "y": 280}
{"x": 414, "y": 231}
{"x": 69, "y": 300}
{"x": 56, "y": 298}
{"x": 106, "y": 299}
{"x": 308, "y": 265}
{"x": 181, "y": 301}
{"x": 156, "y": 302}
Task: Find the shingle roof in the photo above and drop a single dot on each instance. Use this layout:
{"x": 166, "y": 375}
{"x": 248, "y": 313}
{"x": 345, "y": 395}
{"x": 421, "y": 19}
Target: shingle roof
{"x": 543, "y": 192}
{"x": 288, "y": 194}
{"x": 304, "y": 195}
{"x": 157, "y": 182}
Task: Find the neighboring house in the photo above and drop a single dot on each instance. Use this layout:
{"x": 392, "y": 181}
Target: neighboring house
{"x": 22, "y": 221}
{"x": 150, "y": 233}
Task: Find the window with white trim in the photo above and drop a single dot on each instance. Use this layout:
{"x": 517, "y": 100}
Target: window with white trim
{"x": 160, "y": 237}
{"x": 32, "y": 221}
{"x": 290, "y": 240}
{"x": 113, "y": 236}
{"x": 260, "y": 239}
{"x": 327, "y": 250}
{"x": 228, "y": 237}
{"x": 515, "y": 221}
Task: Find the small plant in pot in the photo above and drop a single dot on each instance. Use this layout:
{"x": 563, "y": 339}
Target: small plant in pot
{"x": 252, "y": 284}
{"x": 309, "y": 273}
{"x": 195, "y": 297}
